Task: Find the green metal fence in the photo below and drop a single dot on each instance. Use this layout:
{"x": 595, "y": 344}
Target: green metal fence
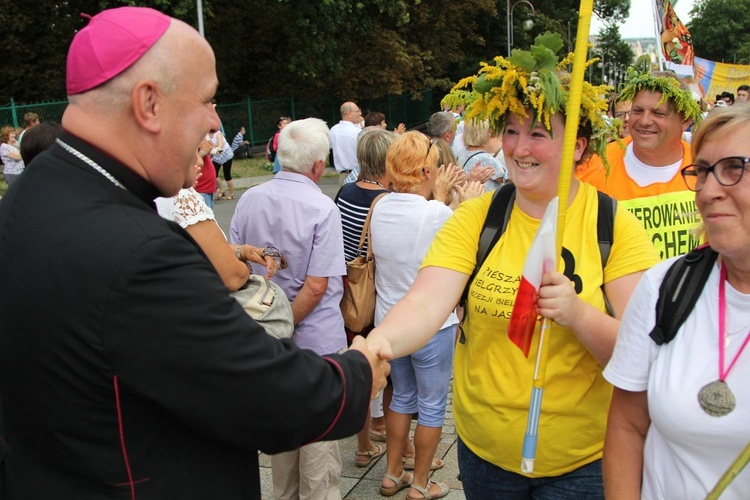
{"x": 259, "y": 116}
{"x": 12, "y": 114}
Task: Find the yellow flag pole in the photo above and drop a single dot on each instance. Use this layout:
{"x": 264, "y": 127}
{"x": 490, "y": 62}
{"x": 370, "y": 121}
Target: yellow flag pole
{"x": 572, "y": 114}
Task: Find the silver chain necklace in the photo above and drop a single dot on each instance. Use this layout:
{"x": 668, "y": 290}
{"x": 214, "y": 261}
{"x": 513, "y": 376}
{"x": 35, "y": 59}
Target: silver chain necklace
{"x": 88, "y": 161}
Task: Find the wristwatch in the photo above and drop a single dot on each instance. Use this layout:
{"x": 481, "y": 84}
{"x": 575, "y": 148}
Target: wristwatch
{"x": 238, "y": 252}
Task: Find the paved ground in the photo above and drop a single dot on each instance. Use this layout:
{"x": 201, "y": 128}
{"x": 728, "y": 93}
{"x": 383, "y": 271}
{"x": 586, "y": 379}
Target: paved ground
{"x": 356, "y": 483}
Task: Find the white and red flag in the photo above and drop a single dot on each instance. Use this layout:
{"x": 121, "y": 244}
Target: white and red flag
{"x": 542, "y": 258}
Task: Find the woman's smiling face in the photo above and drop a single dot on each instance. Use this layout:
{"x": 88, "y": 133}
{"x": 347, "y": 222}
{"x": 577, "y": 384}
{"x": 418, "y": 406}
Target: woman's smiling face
{"x": 725, "y": 210}
{"x": 534, "y": 155}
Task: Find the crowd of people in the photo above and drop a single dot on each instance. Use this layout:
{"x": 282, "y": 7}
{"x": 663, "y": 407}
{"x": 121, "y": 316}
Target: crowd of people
{"x": 143, "y": 377}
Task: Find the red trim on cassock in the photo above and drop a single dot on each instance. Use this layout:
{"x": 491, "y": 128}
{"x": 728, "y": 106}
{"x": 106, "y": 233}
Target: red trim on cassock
{"x": 341, "y": 407}
{"x": 122, "y": 439}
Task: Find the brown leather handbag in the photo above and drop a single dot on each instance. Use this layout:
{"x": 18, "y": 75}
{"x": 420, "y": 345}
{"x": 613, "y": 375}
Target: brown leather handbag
{"x": 358, "y": 303}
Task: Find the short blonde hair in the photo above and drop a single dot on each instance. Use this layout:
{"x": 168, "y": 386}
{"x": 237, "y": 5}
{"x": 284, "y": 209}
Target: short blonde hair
{"x": 476, "y": 132}
{"x": 406, "y": 159}
{"x": 719, "y": 120}
{"x": 372, "y": 146}
{"x": 446, "y": 155}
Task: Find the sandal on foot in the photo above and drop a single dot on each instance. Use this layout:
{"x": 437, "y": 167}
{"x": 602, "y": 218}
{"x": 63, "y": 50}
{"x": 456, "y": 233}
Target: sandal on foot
{"x": 376, "y": 435}
{"x": 444, "y": 490}
{"x": 369, "y": 456}
{"x": 408, "y": 463}
{"x": 228, "y": 197}
{"x": 400, "y": 483}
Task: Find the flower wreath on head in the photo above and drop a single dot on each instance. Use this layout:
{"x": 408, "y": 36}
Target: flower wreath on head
{"x": 670, "y": 88}
{"x": 456, "y": 98}
{"x": 531, "y": 79}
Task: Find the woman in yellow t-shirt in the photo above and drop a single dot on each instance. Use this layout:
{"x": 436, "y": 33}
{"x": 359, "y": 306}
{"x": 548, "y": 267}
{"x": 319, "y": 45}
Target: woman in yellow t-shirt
{"x": 492, "y": 376}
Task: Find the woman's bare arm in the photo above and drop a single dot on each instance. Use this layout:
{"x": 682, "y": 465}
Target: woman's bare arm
{"x": 627, "y": 426}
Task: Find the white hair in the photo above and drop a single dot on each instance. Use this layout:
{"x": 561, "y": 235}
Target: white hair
{"x": 302, "y": 143}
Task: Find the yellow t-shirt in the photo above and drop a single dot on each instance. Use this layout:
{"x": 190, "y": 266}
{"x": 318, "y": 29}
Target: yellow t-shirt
{"x": 666, "y": 210}
{"x": 492, "y": 384}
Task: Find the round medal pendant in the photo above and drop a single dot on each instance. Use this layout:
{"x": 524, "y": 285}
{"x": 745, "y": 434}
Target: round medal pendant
{"x": 716, "y": 399}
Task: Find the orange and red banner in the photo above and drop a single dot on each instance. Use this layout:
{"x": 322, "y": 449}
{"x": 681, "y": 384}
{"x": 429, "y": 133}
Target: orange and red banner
{"x": 675, "y": 40}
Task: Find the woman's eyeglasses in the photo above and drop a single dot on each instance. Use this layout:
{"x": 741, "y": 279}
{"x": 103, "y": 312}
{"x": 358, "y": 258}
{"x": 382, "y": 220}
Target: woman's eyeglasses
{"x": 432, "y": 141}
{"x": 728, "y": 172}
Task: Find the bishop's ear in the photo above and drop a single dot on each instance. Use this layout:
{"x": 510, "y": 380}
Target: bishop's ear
{"x": 146, "y": 103}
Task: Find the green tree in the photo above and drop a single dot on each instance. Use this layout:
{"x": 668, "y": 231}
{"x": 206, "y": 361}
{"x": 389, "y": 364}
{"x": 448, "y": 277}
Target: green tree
{"x": 36, "y": 37}
{"x": 721, "y": 29}
{"x": 274, "y": 48}
{"x": 614, "y": 53}
{"x": 349, "y": 49}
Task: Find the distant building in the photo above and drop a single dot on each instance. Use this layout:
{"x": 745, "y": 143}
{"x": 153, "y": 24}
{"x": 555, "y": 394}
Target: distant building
{"x": 640, "y": 46}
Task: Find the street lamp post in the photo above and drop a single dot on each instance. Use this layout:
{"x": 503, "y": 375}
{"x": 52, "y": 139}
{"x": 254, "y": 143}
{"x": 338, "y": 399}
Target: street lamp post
{"x": 527, "y": 24}
{"x": 601, "y": 64}
{"x": 199, "y": 11}
{"x": 611, "y": 68}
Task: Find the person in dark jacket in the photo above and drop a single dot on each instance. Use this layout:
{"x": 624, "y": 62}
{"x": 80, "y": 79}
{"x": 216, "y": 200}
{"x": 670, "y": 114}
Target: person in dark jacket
{"x": 126, "y": 371}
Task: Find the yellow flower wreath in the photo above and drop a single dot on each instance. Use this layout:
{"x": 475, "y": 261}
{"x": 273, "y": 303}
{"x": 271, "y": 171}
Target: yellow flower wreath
{"x": 533, "y": 80}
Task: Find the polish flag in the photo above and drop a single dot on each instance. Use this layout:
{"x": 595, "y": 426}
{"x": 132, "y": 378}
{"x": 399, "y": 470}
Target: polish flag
{"x": 541, "y": 258}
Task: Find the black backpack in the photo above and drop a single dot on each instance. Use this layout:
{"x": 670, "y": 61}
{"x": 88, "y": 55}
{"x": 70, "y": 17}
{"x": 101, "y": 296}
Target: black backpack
{"x": 496, "y": 222}
{"x": 679, "y": 291}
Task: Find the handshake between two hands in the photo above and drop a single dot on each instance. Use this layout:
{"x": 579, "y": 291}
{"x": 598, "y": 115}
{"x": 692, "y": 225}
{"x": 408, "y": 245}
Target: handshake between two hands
{"x": 378, "y": 352}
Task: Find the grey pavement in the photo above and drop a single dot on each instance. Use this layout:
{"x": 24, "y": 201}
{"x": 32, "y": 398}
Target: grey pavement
{"x": 356, "y": 483}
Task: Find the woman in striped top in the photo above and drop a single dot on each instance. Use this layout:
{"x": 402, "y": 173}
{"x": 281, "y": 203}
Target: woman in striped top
{"x": 354, "y": 202}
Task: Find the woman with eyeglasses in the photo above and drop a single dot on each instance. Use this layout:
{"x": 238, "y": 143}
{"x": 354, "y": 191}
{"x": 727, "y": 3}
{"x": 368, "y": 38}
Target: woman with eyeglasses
{"x": 403, "y": 225}
{"x": 680, "y": 410}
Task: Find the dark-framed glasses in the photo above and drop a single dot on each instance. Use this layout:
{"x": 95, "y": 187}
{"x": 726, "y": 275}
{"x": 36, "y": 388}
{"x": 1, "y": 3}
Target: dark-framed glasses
{"x": 432, "y": 141}
{"x": 728, "y": 172}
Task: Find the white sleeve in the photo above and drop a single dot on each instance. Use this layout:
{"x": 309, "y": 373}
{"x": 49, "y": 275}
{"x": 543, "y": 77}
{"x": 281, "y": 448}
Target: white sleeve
{"x": 635, "y": 351}
{"x": 190, "y": 208}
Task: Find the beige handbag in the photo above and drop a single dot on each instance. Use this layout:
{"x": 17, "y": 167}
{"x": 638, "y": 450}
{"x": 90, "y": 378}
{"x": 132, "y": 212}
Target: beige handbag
{"x": 358, "y": 303}
{"x": 267, "y": 304}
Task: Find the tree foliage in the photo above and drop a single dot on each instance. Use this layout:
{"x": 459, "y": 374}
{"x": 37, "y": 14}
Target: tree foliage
{"x": 36, "y": 38}
{"x": 721, "y": 30}
{"x": 272, "y": 48}
{"x": 614, "y": 53}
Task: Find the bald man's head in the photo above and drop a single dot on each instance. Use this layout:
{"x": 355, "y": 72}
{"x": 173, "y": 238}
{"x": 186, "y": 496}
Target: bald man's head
{"x": 159, "y": 108}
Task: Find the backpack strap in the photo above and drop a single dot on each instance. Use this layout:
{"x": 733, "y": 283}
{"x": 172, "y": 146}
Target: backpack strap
{"x": 494, "y": 226}
{"x": 679, "y": 291}
{"x": 605, "y": 225}
{"x": 496, "y": 222}
{"x": 605, "y": 234}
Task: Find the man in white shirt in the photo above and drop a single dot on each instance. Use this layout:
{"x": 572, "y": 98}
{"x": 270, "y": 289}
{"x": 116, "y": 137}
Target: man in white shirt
{"x": 343, "y": 138}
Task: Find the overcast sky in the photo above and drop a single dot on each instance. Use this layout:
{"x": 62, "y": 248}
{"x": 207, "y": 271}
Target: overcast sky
{"x": 640, "y": 24}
